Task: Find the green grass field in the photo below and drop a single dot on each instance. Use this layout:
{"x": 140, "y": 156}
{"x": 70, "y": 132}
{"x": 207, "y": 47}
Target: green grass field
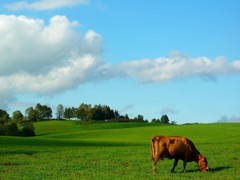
{"x": 69, "y": 150}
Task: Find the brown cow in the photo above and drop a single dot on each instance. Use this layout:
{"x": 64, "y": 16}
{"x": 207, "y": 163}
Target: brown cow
{"x": 176, "y": 147}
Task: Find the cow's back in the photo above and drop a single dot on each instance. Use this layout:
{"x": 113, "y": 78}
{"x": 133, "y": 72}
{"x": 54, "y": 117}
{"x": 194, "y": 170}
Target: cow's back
{"x": 180, "y": 147}
{"x": 172, "y": 147}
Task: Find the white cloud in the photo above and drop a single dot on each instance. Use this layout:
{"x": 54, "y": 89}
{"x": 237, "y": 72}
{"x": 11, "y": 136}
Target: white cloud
{"x": 46, "y": 58}
{"x": 34, "y": 46}
{"x": 29, "y": 46}
{"x": 44, "y": 4}
{"x": 77, "y": 71}
{"x": 176, "y": 67}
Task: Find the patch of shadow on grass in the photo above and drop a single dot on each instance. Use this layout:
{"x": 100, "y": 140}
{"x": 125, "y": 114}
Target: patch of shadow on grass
{"x": 28, "y": 153}
{"x": 42, "y": 134}
{"x": 106, "y": 143}
{"x": 220, "y": 168}
{"x": 9, "y": 164}
{"x": 188, "y": 171}
{"x": 215, "y": 169}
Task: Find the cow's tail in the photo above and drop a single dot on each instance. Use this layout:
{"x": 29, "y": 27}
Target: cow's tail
{"x": 153, "y": 148}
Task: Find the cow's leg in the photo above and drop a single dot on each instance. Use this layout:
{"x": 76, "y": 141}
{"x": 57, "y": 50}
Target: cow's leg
{"x": 174, "y": 165}
{"x": 184, "y": 166}
{"x": 155, "y": 160}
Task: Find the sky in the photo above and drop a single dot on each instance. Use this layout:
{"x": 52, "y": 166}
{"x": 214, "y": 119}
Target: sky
{"x": 155, "y": 57}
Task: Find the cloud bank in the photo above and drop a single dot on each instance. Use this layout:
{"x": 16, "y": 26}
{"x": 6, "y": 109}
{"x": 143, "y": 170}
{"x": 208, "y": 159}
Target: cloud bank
{"x": 226, "y": 118}
{"x": 164, "y": 69}
{"x": 44, "y": 4}
{"x": 48, "y": 58}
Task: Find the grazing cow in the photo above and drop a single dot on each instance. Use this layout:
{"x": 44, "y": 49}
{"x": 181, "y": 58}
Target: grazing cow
{"x": 175, "y": 147}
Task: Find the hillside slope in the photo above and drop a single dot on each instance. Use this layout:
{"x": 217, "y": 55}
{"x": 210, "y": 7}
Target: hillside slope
{"x": 69, "y": 150}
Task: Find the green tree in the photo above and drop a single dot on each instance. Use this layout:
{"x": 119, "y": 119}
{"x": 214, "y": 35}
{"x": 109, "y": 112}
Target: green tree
{"x": 139, "y": 118}
{"x": 108, "y": 112}
{"x": 74, "y": 112}
{"x": 154, "y": 120}
{"x": 117, "y": 115}
{"x": 31, "y": 114}
{"x": 47, "y": 112}
{"x": 164, "y": 119}
{"x": 43, "y": 112}
{"x": 28, "y": 130}
{"x": 84, "y": 112}
{"x": 68, "y": 113}
{"x": 4, "y": 116}
{"x": 60, "y": 112}
{"x": 97, "y": 113}
{"x": 12, "y": 129}
{"x": 17, "y": 116}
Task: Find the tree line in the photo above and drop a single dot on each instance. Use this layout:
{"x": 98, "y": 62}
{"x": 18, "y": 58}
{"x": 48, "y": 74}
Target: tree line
{"x": 87, "y": 113}
{"x": 84, "y": 113}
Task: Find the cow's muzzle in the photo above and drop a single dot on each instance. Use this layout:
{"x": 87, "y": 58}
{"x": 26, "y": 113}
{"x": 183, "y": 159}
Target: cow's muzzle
{"x": 205, "y": 170}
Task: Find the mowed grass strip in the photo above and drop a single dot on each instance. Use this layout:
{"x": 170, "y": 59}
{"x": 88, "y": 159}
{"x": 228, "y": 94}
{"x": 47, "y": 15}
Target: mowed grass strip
{"x": 69, "y": 150}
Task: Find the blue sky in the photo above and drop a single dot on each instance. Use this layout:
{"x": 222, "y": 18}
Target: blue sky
{"x": 155, "y": 57}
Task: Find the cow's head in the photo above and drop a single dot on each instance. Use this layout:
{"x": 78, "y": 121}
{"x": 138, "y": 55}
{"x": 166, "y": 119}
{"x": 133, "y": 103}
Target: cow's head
{"x": 203, "y": 164}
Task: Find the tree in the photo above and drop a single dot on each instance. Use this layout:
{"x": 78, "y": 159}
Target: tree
{"x": 38, "y": 109}
{"x": 43, "y": 112}
{"x": 74, "y": 112}
{"x": 126, "y": 116}
{"x": 60, "y": 112}
{"x": 97, "y": 113}
{"x": 28, "y": 130}
{"x": 84, "y": 112}
{"x": 31, "y": 114}
{"x": 139, "y": 118}
{"x": 107, "y": 112}
{"x": 154, "y": 120}
{"x": 17, "y": 116}
{"x": 68, "y": 113}
{"x": 4, "y": 116}
{"x": 116, "y": 114}
{"x": 164, "y": 119}
{"x": 46, "y": 112}
{"x": 12, "y": 129}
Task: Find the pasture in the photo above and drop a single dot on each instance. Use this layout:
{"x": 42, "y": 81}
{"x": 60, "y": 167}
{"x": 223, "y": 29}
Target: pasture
{"x": 69, "y": 150}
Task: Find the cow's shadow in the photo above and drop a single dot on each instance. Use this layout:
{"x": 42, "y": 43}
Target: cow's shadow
{"x": 220, "y": 168}
{"x": 213, "y": 169}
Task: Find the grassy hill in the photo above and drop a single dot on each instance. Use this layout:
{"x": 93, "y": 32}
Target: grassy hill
{"x": 70, "y": 150}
